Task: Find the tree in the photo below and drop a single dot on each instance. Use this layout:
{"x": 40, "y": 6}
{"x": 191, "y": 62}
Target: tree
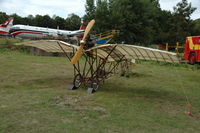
{"x": 89, "y": 10}
{"x": 181, "y": 23}
{"x": 73, "y": 22}
{"x": 3, "y": 17}
{"x": 60, "y": 22}
{"x": 48, "y": 22}
{"x": 184, "y": 9}
{"x": 17, "y": 19}
{"x": 102, "y": 16}
{"x": 44, "y": 21}
{"x": 155, "y": 3}
{"x": 196, "y": 29}
{"x": 134, "y": 19}
{"x": 163, "y": 27}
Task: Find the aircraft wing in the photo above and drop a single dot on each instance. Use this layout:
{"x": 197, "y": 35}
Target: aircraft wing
{"x": 133, "y": 52}
{"x": 50, "y": 45}
{"x": 113, "y": 52}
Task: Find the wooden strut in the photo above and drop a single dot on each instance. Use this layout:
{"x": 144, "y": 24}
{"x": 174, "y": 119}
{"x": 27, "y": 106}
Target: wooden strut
{"x": 155, "y": 56}
{"x": 141, "y": 54}
{"x": 132, "y": 49}
{"x": 104, "y": 60}
{"x": 90, "y": 63}
{"x": 85, "y": 65}
{"x": 162, "y": 57}
{"x": 170, "y": 58}
{"x": 119, "y": 61}
{"x": 75, "y": 68}
{"x": 129, "y": 53}
{"x": 94, "y": 65}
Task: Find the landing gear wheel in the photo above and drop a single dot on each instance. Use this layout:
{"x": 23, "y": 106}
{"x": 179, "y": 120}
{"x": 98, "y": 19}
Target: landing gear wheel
{"x": 77, "y": 81}
{"x": 192, "y": 58}
{"x": 95, "y": 85}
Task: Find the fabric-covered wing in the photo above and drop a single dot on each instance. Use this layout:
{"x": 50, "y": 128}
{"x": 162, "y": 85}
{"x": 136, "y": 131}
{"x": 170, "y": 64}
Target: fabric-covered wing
{"x": 144, "y": 53}
{"x": 50, "y": 45}
{"x": 134, "y": 52}
{"x": 111, "y": 52}
{"x": 107, "y": 51}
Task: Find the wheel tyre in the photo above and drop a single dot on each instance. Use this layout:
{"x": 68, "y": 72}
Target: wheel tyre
{"x": 77, "y": 81}
{"x": 95, "y": 85}
{"x": 192, "y": 58}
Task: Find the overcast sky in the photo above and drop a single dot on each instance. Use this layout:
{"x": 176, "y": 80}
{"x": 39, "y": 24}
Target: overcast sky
{"x": 64, "y": 7}
{"x": 169, "y": 4}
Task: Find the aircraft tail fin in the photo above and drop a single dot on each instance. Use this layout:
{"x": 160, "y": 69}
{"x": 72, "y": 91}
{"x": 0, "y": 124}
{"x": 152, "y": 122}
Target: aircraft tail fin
{"x": 83, "y": 26}
{"x": 8, "y": 23}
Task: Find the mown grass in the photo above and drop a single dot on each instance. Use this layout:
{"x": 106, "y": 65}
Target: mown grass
{"x": 34, "y": 98}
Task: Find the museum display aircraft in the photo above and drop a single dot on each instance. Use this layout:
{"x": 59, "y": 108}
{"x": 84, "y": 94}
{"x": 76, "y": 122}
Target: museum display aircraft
{"x": 100, "y": 61}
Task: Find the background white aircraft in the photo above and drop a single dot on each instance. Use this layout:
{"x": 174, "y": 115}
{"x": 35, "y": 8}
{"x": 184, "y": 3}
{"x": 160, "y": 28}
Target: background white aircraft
{"x": 25, "y": 31}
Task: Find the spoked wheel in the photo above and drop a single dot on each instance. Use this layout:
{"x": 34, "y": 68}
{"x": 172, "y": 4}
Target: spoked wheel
{"x": 77, "y": 81}
{"x": 95, "y": 85}
{"x": 192, "y": 58}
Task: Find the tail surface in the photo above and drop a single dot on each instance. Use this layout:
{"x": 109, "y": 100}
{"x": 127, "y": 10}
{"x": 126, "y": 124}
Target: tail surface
{"x": 7, "y": 23}
{"x": 82, "y": 29}
{"x": 83, "y": 25}
{"x": 5, "y": 27}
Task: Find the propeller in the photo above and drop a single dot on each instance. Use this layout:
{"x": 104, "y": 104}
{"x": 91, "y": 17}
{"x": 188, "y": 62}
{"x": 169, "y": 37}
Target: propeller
{"x": 79, "y": 52}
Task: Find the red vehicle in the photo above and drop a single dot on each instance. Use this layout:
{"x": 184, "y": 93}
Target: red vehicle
{"x": 192, "y": 49}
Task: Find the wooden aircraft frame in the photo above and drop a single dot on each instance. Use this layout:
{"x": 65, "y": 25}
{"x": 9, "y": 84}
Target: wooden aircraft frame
{"x": 100, "y": 62}
{"x": 96, "y": 69}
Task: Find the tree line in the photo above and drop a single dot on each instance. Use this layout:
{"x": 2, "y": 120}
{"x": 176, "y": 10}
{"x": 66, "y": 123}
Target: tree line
{"x": 72, "y": 22}
{"x": 141, "y": 22}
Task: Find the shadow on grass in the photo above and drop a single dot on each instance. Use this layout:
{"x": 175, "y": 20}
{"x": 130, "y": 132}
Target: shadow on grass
{"x": 119, "y": 91}
{"x": 51, "y": 82}
{"x": 146, "y": 93}
{"x": 137, "y": 75}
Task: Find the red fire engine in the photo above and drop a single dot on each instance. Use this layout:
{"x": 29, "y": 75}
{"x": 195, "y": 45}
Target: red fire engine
{"x": 192, "y": 49}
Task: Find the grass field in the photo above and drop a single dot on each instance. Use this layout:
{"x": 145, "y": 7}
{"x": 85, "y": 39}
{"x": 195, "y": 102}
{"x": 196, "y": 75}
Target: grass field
{"x": 34, "y": 98}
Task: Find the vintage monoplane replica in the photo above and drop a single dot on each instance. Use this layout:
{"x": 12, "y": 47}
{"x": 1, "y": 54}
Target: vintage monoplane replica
{"x": 101, "y": 61}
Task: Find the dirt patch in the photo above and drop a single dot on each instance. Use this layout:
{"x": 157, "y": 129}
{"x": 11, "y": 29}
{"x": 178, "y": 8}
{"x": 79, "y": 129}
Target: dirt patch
{"x": 82, "y": 105}
{"x": 70, "y": 100}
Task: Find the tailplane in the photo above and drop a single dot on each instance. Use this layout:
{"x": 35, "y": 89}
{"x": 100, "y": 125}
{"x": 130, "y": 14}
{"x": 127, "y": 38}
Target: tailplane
{"x": 79, "y": 33}
{"x": 7, "y": 23}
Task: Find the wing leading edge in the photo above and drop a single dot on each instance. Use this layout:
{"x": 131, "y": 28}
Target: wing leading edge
{"x": 50, "y": 46}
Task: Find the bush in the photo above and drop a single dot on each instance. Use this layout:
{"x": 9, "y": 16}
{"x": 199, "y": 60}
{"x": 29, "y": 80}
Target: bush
{"x": 8, "y": 44}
